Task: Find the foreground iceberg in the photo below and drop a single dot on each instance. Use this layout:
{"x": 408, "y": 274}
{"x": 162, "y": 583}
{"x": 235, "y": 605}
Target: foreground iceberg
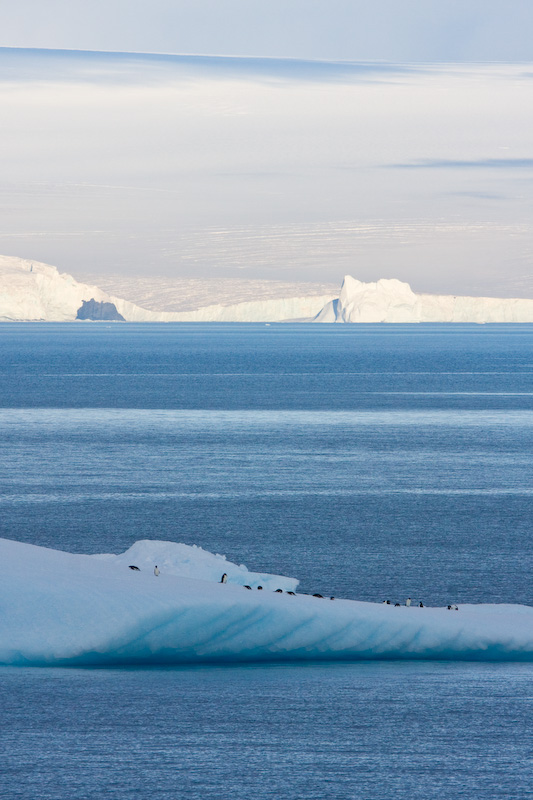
{"x": 62, "y": 609}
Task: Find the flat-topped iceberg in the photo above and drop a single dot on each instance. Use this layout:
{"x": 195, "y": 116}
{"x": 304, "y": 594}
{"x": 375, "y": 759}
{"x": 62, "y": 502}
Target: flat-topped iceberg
{"x": 58, "y": 608}
{"x": 32, "y": 291}
{"x": 391, "y": 300}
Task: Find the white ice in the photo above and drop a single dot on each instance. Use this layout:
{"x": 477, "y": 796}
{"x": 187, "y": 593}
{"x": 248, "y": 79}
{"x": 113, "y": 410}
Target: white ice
{"x": 391, "y": 300}
{"x": 58, "y": 608}
{"x": 190, "y": 561}
{"x": 31, "y": 290}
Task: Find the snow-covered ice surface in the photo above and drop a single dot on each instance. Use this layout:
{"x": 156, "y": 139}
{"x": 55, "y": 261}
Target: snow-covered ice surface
{"x": 58, "y": 608}
{"x": 160, "y": 293}
{"x": 188, "y": 561}
{"x": 30, "y": 290}
{"x": 391, "y": 300}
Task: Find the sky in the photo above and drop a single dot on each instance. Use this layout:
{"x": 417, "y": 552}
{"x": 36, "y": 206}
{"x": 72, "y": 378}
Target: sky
{"x": 356, "y": 30}
{"x": 413, "y": 160}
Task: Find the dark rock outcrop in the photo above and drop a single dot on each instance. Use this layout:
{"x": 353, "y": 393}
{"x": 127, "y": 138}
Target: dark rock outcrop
{"x": 91, "y": 309}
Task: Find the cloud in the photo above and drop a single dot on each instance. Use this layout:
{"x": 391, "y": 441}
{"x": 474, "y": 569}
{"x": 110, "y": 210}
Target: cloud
{"x": 387, "y": 30}
{"x": 129, "y": 162}
{"x": 478, "y": 163}
{"x": 80, "y": 66}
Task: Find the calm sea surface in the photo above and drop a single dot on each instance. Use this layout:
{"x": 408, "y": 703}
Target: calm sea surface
{"x": 371, "y": 462}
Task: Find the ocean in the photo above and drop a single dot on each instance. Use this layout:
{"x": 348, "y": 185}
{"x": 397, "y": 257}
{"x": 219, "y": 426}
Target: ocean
{"x": 371, "y": 462}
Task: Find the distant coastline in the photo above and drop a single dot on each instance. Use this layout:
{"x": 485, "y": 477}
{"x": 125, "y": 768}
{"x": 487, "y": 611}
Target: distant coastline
{"x": 34, "y": 291}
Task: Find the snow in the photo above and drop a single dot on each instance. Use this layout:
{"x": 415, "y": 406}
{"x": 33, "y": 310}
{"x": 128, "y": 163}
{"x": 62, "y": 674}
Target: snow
{"x": 189, "y": 561}
{"x": 163, "y": 293}
{"x": 64, "y": 609}
{"x": 391, "y": 300}
{"x": 30, "y": 290}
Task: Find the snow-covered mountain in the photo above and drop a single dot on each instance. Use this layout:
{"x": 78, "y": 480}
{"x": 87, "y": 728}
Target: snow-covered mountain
{"x": 30, "y": 290}
{"x": 395, "y": 301}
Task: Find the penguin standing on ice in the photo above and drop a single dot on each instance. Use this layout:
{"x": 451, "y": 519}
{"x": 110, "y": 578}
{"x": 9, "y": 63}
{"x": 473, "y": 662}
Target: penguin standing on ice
{"x": 156, "y": 570}
{"x": 224, "y": 578}
{"x": 408, "y": 602}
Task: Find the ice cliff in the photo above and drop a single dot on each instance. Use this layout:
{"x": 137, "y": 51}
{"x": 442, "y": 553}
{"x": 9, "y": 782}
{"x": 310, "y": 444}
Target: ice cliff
{"x": 30, "y": 290}
{"x": 57, "y": 608}
{"x": 394, "y": 301}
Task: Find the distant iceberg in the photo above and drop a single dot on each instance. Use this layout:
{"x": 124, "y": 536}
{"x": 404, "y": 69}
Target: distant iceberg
{"x": 33, "y": 291}
{"x": 30, "y": 290}
{"x": 60, "y": 609}
{"x": 391, "y": 300}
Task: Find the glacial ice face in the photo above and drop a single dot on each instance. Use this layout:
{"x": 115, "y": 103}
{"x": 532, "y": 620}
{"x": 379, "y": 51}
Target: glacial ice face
{"x": 35, "y": 291}
{"x": 394, "y": 301}
{"x": 63, "y": 609}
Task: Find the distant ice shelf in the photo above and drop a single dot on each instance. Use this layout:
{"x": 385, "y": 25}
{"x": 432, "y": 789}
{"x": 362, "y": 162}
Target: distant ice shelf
{"x": 30, "y": 290}
{"x": 61, "y": 609}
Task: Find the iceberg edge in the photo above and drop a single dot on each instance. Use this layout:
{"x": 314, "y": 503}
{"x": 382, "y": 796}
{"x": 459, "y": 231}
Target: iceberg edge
{"x": 62, "y": 609}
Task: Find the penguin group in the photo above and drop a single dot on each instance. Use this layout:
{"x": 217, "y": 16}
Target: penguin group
{"x": 408, "y": 603}
{"x": 224, "y": 579}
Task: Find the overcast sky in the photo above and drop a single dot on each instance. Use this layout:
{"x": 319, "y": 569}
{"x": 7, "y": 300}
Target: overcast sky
{"x": 390, "y": 30}
{"x": 414, "y": 168}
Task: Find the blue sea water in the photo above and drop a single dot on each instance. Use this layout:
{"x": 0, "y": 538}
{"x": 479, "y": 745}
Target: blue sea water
{"x": 371, "y": 462}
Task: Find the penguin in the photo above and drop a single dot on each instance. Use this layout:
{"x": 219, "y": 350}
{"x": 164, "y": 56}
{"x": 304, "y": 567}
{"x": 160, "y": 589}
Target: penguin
{"x": 293, "y": 593}
{"x": 131, "y": 566}
{"x": 421, "y": 604}
{"x": 224, "y": 578}
{"x": 156, "y": 570}
{"x": 247, "y": 587}
{"x": 280, "y": 591}
{"x": 319, "y": 595}
{"x": 396, "y": 605}
{"x": 332, "y": 598}
{"x": 408, "y": 602}
{"x": 259, "y": 587}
